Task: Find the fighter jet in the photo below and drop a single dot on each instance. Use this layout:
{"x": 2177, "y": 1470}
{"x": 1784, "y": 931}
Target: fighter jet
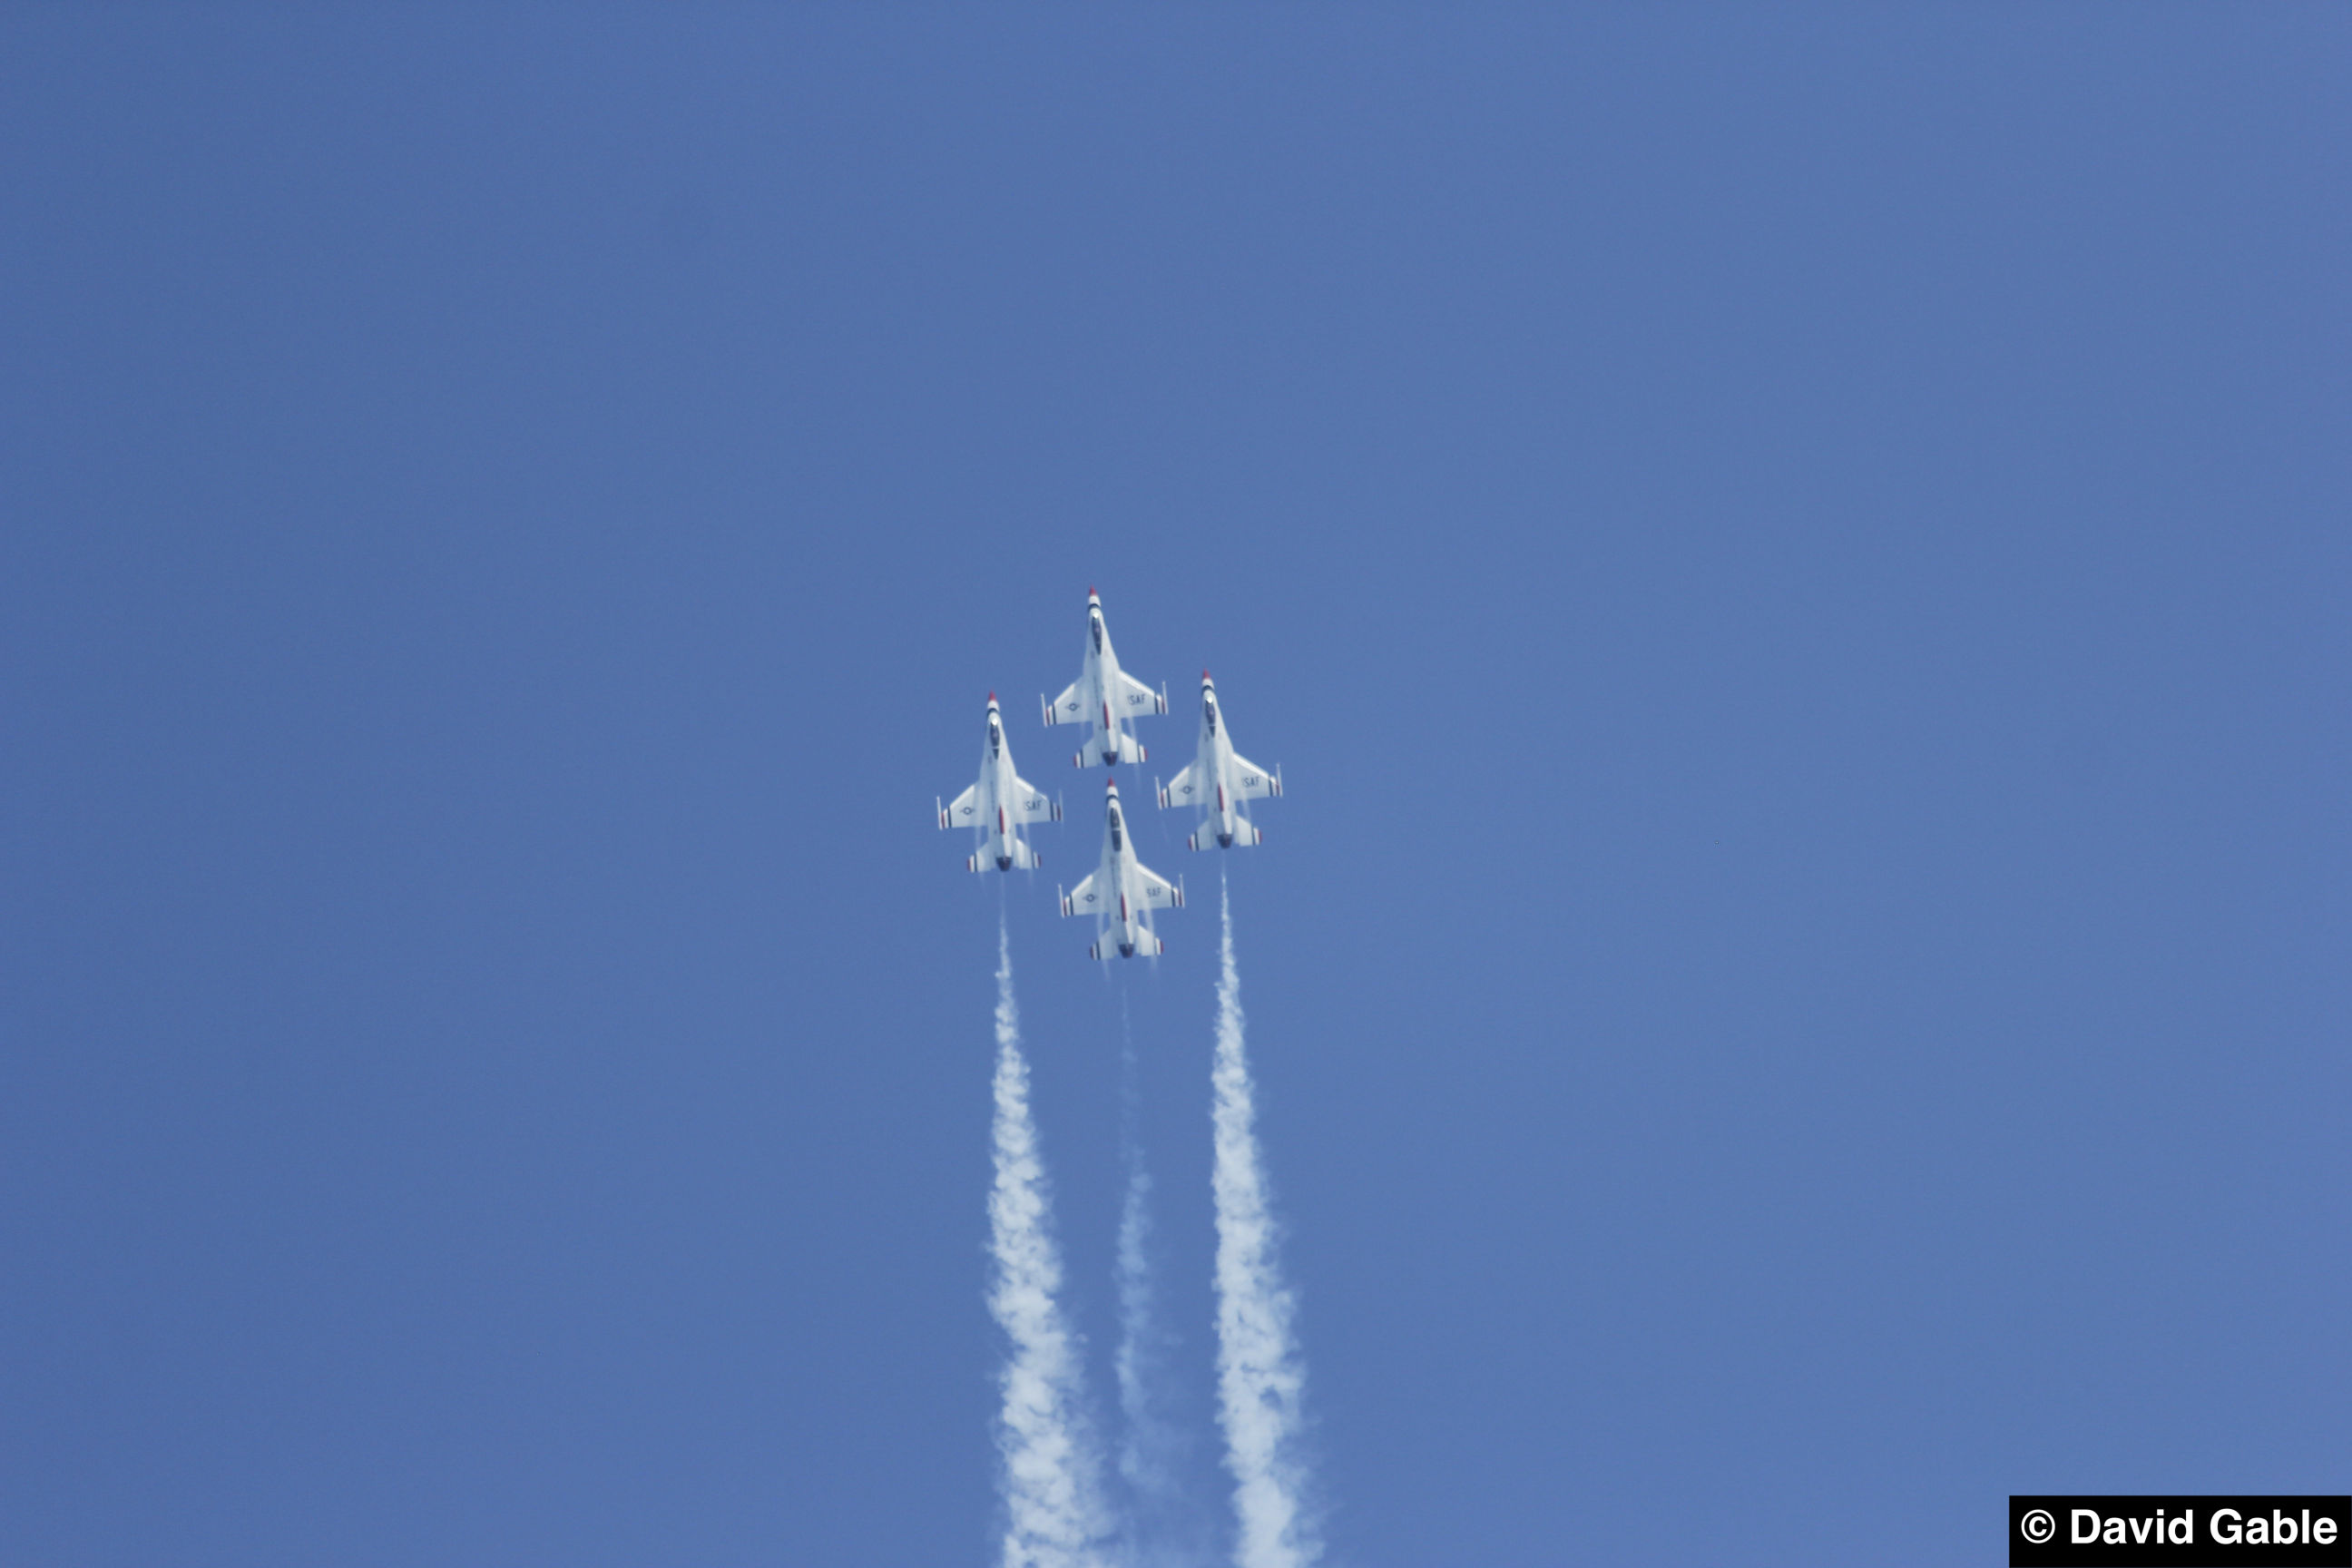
{"x": 997, "y": 806}
{"x": 1121, "y": 894}
{"x": 1218, "y": 780}
{"x": 1106, "y": 697}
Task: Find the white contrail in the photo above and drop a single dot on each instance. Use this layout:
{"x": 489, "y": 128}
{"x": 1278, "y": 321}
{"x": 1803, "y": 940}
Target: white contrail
{"x": 1160, "y": 1528}
{"x": 1261, "y": 1375}
{"x": 1052, "y": 1471}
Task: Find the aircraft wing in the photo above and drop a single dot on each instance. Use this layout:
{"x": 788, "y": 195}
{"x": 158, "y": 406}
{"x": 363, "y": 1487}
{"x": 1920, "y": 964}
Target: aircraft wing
{"x": 1133, "y": 699}
{"x": 1252, "y": 782}
{"x": 964, "y": 810}
{"x": 1030, "y": 803}
{"x": 1158, "y": 893}
{"x": 1086, "y": 899}
{"x": 1070, "y": 706}
{"x": 1185, "y": 789}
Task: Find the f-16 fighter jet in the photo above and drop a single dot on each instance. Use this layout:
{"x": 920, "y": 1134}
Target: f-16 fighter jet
{"x": 999, "y": 805}
{"x": 1218, "y": 781}
{"x": 1121, "y": 894}
{"x": 1106, "y": 697}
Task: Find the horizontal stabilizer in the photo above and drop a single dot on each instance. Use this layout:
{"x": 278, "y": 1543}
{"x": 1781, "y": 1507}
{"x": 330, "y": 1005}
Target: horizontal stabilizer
{"x": 1130, "y": 750}
{"x": 1016, "y": 851}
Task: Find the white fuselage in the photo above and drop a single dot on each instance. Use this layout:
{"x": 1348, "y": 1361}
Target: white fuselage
{"x": 998, "y": 787}
{"x": 1100, "y": 677}
{"x": 1216, "y": 754}
{"x": 1129, "y": 919}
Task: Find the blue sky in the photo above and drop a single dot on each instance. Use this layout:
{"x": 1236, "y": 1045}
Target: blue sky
{"x": 1794, "y": 565}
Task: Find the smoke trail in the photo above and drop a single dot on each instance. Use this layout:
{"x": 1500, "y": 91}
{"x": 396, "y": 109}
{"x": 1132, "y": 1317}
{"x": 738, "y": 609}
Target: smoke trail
{"x": 1052, "y": 1469}
{"x": 1260, "y": 1372}
{"x": 1152, "y": 1447}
